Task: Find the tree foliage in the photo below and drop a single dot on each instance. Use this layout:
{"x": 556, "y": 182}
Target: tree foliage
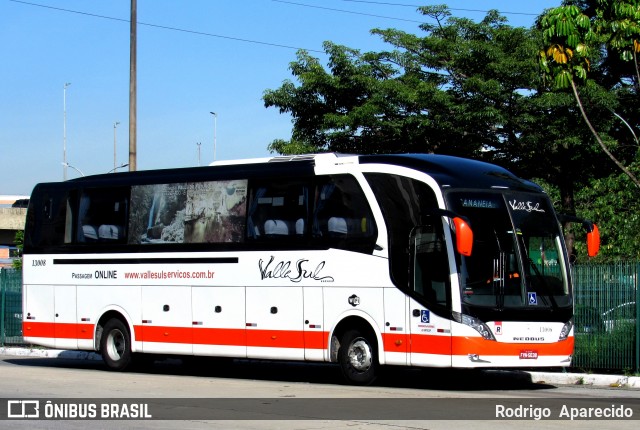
{"x": 613, "y": 202}
{"x": 19, "y": 241}
{"x": 456, "y": 90}
{"x": 573, "y": 41}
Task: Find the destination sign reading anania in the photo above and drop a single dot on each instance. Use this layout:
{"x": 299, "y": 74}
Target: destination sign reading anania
{"x": 479, "y": 203}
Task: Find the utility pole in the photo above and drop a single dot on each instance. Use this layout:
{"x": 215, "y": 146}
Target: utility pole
{"x": 115, "y": 125}
{"x": 133, "y": 87}
{"x": 64, "y": 132}
{"x": 215, "y": 132}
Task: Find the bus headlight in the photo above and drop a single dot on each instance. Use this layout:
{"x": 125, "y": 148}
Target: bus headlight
{"x": 475, "y": 324}
{"x": 566, "y": 329}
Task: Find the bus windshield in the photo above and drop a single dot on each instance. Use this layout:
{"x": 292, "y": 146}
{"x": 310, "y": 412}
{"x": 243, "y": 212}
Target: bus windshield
{"x": 517, "y": 259}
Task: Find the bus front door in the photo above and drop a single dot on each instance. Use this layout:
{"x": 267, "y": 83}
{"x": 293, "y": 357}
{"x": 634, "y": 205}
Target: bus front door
{"x": 430, "y": 285}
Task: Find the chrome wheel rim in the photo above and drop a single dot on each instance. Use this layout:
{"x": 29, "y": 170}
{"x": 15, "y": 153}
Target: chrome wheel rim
{"x": 116, "y": 344}
{"x": 360, "y": 355}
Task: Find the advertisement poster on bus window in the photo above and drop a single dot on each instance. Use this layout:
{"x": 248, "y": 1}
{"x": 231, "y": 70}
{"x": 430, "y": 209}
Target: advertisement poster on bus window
{"x": 192, "y": 212}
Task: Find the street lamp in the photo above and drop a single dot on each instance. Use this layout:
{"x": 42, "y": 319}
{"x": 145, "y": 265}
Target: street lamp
{"x": 65, "y": 164}
{"x": 64, "y": 131}
{"x": 199, "y": 144}
{"x": 115, "y": 125}
{"x": 118, "y": 167}
{"x": 215, "y": 130}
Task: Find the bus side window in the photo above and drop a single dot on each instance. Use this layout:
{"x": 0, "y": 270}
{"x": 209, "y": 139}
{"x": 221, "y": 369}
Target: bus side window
{"x": 342, "y": 210}
{"x": 405, "y": 204}
{"x": 68, "y": 223}
{"x": 102, "y": 216}
{"x": 53, "y": 220}
{"x": 278, "y": 211}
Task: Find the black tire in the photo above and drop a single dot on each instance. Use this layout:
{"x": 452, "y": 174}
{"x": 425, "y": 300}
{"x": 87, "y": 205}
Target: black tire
{"x": 358, "y": 358}
{"x": 115, "y": 345}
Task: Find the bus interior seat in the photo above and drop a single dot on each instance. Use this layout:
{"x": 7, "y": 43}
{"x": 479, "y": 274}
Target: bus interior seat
{"x": 300, "y": 226}
{"x": 110, "y": 232}
{"x": 89, "y": 232}
{"x": 337, "y": 226}
{"x": 276, "y": 227}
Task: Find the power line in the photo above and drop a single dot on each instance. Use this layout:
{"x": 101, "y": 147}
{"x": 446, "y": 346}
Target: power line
{"x": 450, "y": 8}
{"x": 347, "y": 11}
{"x": 164, "y": 27}
{"x": 276, "y": 45}
{"x": 391, "y": 4}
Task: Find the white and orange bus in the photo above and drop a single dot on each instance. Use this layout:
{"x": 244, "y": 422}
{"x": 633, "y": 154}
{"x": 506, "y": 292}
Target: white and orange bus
{"x": 413, "y": 260}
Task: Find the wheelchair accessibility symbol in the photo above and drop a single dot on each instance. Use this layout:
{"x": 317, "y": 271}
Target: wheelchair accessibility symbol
{"x": 533, "y": 298}
{"x": 424, "y": 316}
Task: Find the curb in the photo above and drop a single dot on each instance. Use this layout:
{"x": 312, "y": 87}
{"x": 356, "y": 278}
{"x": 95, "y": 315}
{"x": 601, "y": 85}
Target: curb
{"x": 50, "y": 353}
{"x": 613, "y": 381}
{"x": 560, "y": 378}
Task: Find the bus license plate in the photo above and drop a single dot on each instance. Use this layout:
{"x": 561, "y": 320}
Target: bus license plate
{"x": 528, "y": 355}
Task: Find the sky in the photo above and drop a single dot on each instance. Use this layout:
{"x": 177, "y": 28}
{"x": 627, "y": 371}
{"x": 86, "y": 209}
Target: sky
{"x": 194, "y": 57}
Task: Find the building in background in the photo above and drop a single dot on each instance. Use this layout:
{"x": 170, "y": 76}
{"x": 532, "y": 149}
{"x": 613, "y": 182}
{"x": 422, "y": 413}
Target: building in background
{"x": 13, "y": 212}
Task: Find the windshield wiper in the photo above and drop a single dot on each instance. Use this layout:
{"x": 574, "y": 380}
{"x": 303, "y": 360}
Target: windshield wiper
{"x": 547, "y": 289}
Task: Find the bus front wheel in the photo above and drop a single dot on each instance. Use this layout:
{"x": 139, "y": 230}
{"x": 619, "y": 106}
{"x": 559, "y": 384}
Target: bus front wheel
{"x": 357, "y": 358}
{"x": 115, "y": 345}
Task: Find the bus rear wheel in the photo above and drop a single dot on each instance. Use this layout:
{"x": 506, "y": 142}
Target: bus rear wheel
{"x": 357, "y": 358}
{"x": 115, "y": 345}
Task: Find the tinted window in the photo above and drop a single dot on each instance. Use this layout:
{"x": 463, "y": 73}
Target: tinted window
{"x": 46, "y": 219}
{"x": 341, "y": 210}
{"x": 405, "y": 204}
{"x": 102, "y": 215}
{"x": 278, "y": 210}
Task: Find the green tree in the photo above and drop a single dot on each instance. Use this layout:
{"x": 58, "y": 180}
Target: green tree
{"x": 19, "y": 241}
{"x": 458, "y": 90}
{"x": 575, "y": 43}
{"x": 613, "y": 202}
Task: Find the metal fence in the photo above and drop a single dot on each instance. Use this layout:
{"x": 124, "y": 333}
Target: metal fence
{"x": 10, "y": 307}
{"x": 607, "y": 323}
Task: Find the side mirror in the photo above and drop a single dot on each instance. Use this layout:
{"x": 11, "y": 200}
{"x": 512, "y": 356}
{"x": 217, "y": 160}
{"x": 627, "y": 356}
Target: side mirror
{"x": 593, "y": 235}
{"x": 593, "y": 241}
{"x": 464, "y": 236}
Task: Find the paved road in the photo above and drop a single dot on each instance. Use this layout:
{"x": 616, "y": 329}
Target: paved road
{"x": 292, "y": 388}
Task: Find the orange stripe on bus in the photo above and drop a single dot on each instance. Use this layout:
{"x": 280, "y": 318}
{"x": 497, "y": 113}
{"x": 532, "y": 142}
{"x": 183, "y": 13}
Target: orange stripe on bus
{"x": 315, "y": 339}
{"x": 475, "y": 345}
{"x": 424, "y": 344}
{"x": 275, "y": 338}
{"x": 232, "y": 337}
{"x": 430, "y": 344}
{"x": 219, "y": 336}
{"x": 38, "y": 329}
{"x": 461, "y": 345}
{"x": 394, "y": 342}
{"x": 57, "y": 330}
{"x": 163, "y": 334}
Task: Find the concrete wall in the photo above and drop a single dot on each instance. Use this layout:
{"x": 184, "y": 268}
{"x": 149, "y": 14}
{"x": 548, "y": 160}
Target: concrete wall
{"x": 12, "y": 218}
{"x": 11, "y": 221}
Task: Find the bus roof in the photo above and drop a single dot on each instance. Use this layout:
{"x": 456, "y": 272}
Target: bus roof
{"x": 456, "y": 172}
{"x": 448, "y": 171}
